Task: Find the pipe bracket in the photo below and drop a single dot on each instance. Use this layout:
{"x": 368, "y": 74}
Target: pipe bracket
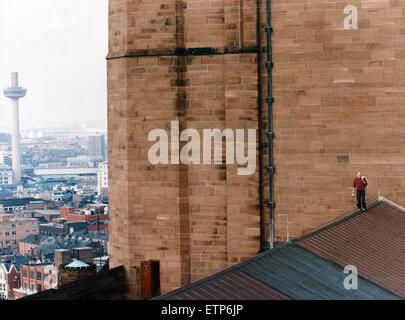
{"x": 271, "y": 170}
{"x": 271, "y": 205}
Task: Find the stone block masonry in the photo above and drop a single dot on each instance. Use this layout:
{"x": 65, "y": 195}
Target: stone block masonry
{"x": 338, "y": 107}
{"x": 196, "y": 64}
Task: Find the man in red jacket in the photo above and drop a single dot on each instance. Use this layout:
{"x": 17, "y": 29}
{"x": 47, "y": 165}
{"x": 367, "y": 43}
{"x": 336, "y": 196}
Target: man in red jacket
{"x": 360, "y": 184}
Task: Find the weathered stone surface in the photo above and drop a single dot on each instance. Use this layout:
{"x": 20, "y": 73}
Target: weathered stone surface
{"x": 199, "y": 219}
{"x": 339, "y": 105}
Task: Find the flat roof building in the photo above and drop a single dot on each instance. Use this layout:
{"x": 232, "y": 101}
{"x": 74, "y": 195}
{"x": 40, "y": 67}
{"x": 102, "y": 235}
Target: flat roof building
{"x": 14, "y": 229}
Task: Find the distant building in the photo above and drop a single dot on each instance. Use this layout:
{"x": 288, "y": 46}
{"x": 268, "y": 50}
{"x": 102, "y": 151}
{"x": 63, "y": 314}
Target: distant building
{"x": 84, "y": 161}
{"x": 61, "y": 229}
{"x": 74, "y": 265}
{"x": 9, "y": 280}
{"x": 5, "y": 138}
{"x": 30, "y": 245}
{"x": 43, "y": 246}
{"x": 36, "y": 278}
{"x": 61, "y": 194}
{"x": 94, "y": 215}
{"x": 43, "y": 216}
{"x": 21, "y": 204}
{"x": 97, "y": 146}
{"x": 65, "y": 211}
{"x": 5, "y": 159}
{"x": 96, "y": 241}
{"x": 102, "y": 179}
{"x": 33, "y": 192}
{"x": 14, "y": 229}
{"x": 49, "y": 215}
{"x": 46, "y": 172}
{"x": 6, "y": 176}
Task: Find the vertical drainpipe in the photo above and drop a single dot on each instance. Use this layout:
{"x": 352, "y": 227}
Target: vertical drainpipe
{"x": 270, "y": 133}
{"x": 260, "y": 119}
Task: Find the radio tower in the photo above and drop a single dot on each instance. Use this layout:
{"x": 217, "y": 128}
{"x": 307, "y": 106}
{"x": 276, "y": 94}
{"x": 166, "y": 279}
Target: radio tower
{"x": 15, "y": 93}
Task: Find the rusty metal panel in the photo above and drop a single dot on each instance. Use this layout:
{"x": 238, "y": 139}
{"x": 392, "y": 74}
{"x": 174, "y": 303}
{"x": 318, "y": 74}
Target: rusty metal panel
{"x": 373, "y": 241}
{"x": 288, "y": 272}
{"x": 231, "y": 285}
{"x": 303, "y": 275}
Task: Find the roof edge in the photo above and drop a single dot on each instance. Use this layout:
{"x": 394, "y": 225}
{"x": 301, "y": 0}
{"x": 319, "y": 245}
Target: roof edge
{"x": 359, "y": 275}
{"x": 225, "y": 271}
{"x": 390, "y": 202}
{"x": 334, "y": 222}
{"x": 345, "y": 217}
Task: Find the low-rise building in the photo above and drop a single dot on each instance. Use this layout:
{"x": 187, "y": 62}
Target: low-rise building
{"x": 94, "y": 215}
{"x": 14, "y": 229}
{"x": 61, "y": 194}
{"x": 36, "y": 278}
{"x": 62, "y": 228}
{"x": 43, "y": 246}
{"x": 30, "y": 245}
{"x": 9, "y": 280}
{"x": 75, "y": 264}
{"x": 21, "y": 204}
{"x": 48, "y": 215}
{"x": 102, "y": 179}
{"x": 6, "y": 176}
{"x": 83, "y": 161}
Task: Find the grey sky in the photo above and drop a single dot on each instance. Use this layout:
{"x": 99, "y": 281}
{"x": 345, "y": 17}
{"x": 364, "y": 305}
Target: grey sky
{"x": 59, "y": 49}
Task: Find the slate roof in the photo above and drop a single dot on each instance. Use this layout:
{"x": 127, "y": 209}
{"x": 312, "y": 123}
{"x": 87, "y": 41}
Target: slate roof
{"x": 7, "y": 266}
{"x": 17, "y": 261}
{"x": 20, "y": 201}
{"x": 41, "y": 219}
{"x": 48, "y": 244}
{"x": 312, "y": 267}
{"x": 34, "y": 239}
{"x": 6, "y": 251}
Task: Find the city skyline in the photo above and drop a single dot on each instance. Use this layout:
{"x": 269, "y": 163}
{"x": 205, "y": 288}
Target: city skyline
{"x": 53, "y": 72}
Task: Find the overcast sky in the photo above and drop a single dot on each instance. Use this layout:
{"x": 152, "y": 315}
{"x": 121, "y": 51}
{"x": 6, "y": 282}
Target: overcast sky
{"x": 59, "y": 49}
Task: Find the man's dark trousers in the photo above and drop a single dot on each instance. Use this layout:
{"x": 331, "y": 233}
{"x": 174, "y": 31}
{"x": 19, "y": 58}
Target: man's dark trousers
{"x": 361, "y": 199}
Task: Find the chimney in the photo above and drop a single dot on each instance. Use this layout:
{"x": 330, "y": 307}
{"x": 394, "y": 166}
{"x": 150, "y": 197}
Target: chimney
{"x": 62, "y": 257}
{"x": 85, "y": 255}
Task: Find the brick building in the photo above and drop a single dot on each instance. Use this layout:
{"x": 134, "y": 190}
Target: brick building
{"x": 36, "y": 278}
{"x": 30, "y": 245}
{"x": 338, "y": 103}
{"x": 9, "y": 280}
{"x": 21, "y": 204}
{"x": 94, "y": 216}
{"x": 42, "y": 215}
{"x": 75, "y": 264}
{"x": 13, "y": 229}
{"x": 62, "y": 227}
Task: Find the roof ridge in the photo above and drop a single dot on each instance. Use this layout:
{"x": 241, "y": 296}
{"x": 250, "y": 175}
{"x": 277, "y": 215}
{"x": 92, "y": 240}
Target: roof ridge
{"x": 340, "y": 219}
{"x": 390, "y": 202}
{"x": 239, "y": 266}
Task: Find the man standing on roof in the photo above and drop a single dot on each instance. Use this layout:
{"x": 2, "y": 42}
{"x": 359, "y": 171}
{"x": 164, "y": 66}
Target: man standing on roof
{"x": 360, "y": 184}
